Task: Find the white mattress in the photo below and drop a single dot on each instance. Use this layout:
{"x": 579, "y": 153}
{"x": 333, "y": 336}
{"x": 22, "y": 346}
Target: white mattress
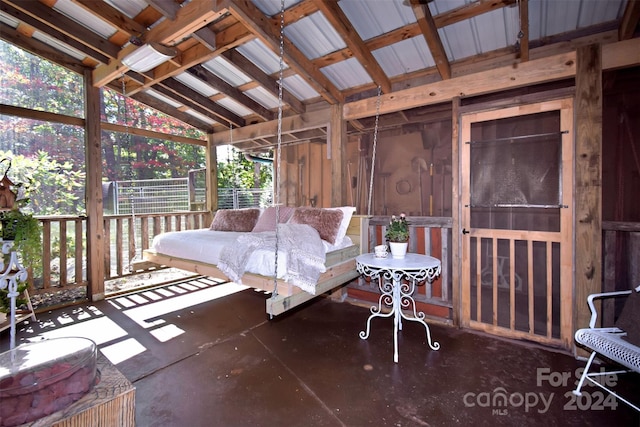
{"x": 204, "y": 245}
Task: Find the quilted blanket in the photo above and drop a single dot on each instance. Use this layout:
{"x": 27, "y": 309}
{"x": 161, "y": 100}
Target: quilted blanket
{"x": 301, "y": 243}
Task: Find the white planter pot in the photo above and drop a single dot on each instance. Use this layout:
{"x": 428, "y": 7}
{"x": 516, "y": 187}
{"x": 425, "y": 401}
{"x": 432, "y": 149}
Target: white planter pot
{"x": 398, "y": 249}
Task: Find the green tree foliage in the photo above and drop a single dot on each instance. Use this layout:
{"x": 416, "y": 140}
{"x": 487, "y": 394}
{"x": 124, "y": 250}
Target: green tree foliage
{"x": 238, "y": 172}
{"x": 28, "y": 81}
{"x": 128, "y": 156}
{"x": 52, "y": 187}
{"x": 51, "y": 155}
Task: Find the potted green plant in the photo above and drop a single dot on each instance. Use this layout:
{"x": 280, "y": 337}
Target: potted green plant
{"x": 397, "y": 235}
{"x": 24, "y": 230}
{"x": 398, "y": 229}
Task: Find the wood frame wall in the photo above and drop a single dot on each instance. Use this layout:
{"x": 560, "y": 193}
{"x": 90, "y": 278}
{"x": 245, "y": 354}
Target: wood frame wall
{"x": 584, "y": 64}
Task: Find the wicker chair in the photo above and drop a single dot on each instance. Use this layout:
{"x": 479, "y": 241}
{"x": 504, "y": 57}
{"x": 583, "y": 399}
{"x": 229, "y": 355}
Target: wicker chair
{"x": 619, "y": 344}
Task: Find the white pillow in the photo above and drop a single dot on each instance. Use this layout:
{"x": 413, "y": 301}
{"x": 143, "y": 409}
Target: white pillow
{"x": 347, "y": 213}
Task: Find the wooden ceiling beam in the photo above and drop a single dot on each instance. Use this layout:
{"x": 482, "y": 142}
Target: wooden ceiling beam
{"x": 267, "y": 82}
{"x": 113, "y": 16}
{"x": 556, "y": 67}
{"x": 630, "y": 20}
{"x": 39, "y": 48}
{"x": 53, "y": 33}
{"x": 189, "y": 97}
{"x": 336, "y": 17}
{"x": 50, "y": 18}
{"x": 192, "y": 17}
{"x": 268, "y": 31}
{"x": 430, "y": 33}
{"x": 523, "y": 35}
{"x": 298, "y": 123}
{"x": 221, "y": 86}
{"x": 470, "y": 10}
{"x": 299, "y": 11}
{"x": 189, "y": 19}
{"x": 168, "y": 8}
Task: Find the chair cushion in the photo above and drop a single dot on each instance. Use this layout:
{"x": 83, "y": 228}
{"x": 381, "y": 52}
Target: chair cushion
{"x": 629, "y": 319}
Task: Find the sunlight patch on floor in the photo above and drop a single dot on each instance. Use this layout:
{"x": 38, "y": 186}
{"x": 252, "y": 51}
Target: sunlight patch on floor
{"x": 123, "y": 350}
{"x": 145, "y": 314}
{"x": 165, "y": 333}
{"x": 100, "y": 330}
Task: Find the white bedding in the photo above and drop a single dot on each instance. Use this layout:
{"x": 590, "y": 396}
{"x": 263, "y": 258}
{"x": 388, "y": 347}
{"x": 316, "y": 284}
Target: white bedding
{"x": 204, "y": 245}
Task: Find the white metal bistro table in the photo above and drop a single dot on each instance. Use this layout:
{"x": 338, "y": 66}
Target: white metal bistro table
{"x": 395, "y": 292}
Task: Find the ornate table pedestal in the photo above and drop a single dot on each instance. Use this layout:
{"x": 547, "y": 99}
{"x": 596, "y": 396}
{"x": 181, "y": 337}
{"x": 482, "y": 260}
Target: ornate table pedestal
{"x": 395, "y": 292}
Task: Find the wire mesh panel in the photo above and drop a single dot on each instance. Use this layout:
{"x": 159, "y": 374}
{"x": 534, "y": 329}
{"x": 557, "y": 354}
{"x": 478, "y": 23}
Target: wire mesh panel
{"x": 238, "y": 198}
{"x": 152, "y": 196}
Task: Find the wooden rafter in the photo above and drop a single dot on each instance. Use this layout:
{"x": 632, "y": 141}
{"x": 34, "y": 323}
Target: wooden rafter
{"x": 52, "y": 32}
{"x": 340, "y": 22}
{"x": 630, "y": 20}
{"x": 192, "y": 17}
{"x": 269, "y": 33}
{"x": 64, "y": 25}
{"x": 221, "y": 86}
{"x": 267, "y": 82}
{"x": 113, "y": 16}
{"x": 430, "y": 33}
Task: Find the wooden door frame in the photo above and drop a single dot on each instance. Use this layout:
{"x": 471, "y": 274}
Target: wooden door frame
{"x": 567, "y": 289}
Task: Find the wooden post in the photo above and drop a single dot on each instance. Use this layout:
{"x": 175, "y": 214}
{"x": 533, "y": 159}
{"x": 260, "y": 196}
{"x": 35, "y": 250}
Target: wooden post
{"x": 588, "y": 179}
{"x": 336, "y": 147}
{"x": 456, "y": 266}
{"x": 95, "y": 220}
{"x": 212, "y": 177}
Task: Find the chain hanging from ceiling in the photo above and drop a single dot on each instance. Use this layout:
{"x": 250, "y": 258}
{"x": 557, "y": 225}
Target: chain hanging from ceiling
{"x": 373, "y": 154}
{"x": 279, "y": 147}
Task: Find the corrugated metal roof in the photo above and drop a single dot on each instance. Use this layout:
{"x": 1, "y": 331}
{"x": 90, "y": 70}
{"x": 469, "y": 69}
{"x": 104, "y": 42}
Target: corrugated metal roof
{"x": 372, "y": 18}
{"x": 226, "y": 71}
{"x": 84, "y": 18}
{"x": 314, "y": 36}
{"x": 261, "y": 56}
{"x": 131, "y": 8}
{"x": 234, "y": 106}
{"x": 264, "y": 98}
{"x": 403, "y": 55}
{"x": 299, "y": 88}
{"x": 347, "y": 74}
{"x": 196, "y": 84}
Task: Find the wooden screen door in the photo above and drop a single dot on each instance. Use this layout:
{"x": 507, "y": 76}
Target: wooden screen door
{"x": 516, "y": 213}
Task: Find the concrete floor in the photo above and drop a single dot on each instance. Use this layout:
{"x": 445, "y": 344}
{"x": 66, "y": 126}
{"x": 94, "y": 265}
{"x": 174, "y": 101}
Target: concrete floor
{"x": 205, "y": 354}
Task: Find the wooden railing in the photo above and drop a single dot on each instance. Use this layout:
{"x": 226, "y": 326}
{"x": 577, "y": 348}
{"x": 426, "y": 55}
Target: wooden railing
{"x": 124, "y": 242}
{"x": 64, "y": 237}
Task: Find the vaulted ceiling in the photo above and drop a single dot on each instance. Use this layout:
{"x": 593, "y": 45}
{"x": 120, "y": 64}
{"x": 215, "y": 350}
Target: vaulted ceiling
{"x": 228, "y": 60}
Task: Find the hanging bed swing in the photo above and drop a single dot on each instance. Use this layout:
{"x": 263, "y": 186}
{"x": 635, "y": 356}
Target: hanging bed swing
{"x": 310, "y": 252}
